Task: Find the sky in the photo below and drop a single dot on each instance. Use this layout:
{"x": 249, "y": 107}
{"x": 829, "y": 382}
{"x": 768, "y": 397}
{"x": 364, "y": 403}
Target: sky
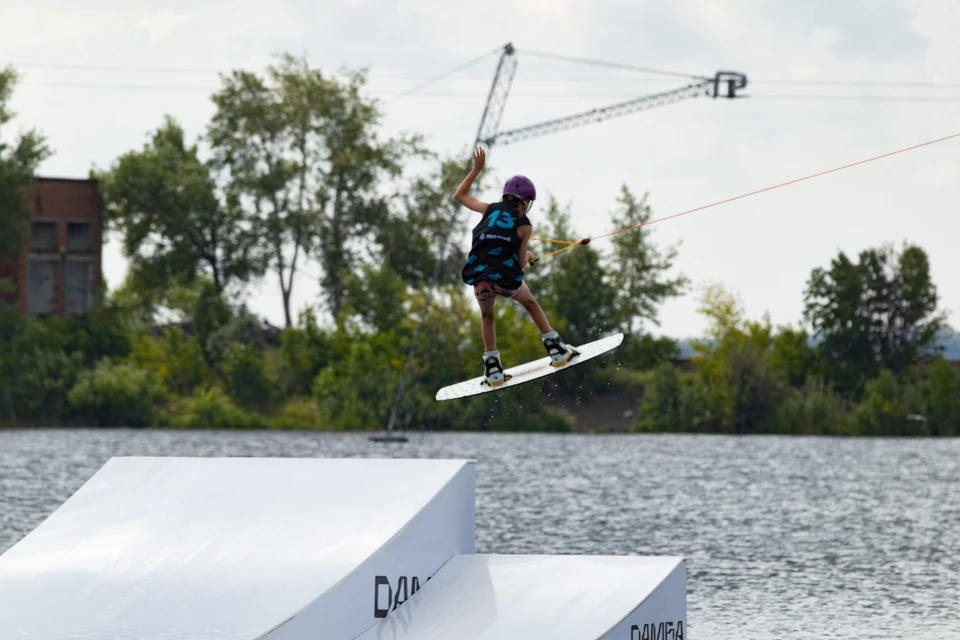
{"x": 685, "y": 155}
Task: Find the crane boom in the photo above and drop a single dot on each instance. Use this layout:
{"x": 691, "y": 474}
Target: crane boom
{"x": 706, "y": 87}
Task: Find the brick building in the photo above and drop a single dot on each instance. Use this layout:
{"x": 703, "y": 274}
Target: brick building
{"x": 58, "y": 269}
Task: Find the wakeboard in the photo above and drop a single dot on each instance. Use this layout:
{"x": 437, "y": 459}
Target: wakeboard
{"x": 530, "y": 371}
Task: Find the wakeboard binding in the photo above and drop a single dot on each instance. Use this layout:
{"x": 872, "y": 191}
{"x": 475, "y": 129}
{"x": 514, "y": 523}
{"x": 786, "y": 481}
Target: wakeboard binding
{"x": 560, "y": 353}
{"x": 493, "y": 374}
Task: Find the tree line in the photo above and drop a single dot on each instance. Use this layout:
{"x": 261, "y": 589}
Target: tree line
{"x": 868, "y": 362}
{"x": 293, "y": 168}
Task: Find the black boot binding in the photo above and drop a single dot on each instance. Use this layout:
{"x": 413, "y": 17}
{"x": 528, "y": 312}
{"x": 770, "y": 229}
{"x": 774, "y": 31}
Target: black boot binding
{"x": 556, "y": 349}
{"x": 492, "y": 366}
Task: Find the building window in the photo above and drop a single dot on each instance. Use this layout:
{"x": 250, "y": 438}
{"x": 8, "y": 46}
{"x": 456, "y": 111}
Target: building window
{"x": 41, "y": 287}
{"x": 43, "y": 236}
{"x": 79, "y": 236}
{"x": 78, "y": 298}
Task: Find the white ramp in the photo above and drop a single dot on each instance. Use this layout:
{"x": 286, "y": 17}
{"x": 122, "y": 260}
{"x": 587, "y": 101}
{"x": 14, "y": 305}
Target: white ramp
{"x": 236, "y": 548}
{"x": 504, "y": 597}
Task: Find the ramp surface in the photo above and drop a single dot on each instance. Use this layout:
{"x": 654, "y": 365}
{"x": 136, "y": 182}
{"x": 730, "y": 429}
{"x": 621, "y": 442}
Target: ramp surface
{"x": 501, "y": 597}
{"x": 234, "y": 548}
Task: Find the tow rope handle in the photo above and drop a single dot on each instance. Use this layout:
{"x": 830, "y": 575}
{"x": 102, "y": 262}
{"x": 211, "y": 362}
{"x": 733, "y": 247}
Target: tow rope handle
{"x": 570, "y": 245}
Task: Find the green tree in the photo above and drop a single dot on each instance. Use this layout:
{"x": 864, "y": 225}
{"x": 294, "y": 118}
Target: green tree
{"x": 377, "y": 296}
{"x": 724, "y": 312}
{"x": 791, "y": 353}
{"x": 880, "y": 312}
{"x": 18, "y": 162}
{"x": 575, "y": 284}
{"x": 411, "y": 238}
{"x": 939, "y": 388}
{"x": 639, "y": 267}
{"x": 211, "y": 313}
{"x": 267, "y": 137}
{"x": 351, "y": 182}
{"x": 907, "y": 325}
{"x": 646, "y": 352}
{"x": 163, "y": 201}
{"x": 745, "y": 388}
{"x": 173, "y": 303}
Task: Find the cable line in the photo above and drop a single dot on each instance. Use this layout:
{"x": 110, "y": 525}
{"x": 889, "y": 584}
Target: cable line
{"x": 571, "y": 244}
{"x": 446, "y": 74}
{"x": 612, "y": 65}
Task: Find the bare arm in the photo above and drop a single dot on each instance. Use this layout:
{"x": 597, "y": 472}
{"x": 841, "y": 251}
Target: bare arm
{"x": 463, "y": 196}
{"x": 526, "y": 257}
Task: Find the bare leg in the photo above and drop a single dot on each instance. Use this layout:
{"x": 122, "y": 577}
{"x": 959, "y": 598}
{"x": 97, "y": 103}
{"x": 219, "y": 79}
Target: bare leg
{"x": 524, "y": 297}
{"x": 488, "y": 324}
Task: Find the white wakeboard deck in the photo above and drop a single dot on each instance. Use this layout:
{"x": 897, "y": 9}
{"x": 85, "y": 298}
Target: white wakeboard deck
{"x": 530, "y": 371}
{"x": 522, "y": 597}
{"x": 236, "y": 548}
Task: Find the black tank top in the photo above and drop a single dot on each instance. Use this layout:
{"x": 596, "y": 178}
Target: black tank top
{"x": 496, "y": 245}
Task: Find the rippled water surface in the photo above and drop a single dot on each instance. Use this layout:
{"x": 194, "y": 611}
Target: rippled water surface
{"x": 784, "y": 537}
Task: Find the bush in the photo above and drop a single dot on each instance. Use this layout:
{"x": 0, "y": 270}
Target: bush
{"x": 186, "y": 368}
{"x": 116, "y": 395}
{"x": 243, "y": 328}
{"x": 175, "y": 357}
{"x": 243, "y": 374}
{"x": 815, "y": 409}
{"x": 303, "y": 353}
{"x": 884, "y": 409}
{"x": 662, "y": 406}
{"x": 680, "y": 402}
{"x": 744, "y": 387}
{"x": 213, "y": 409}
{"x": 939, "y": 391}
{"x": 357, "y": 391}
{"x": 298, "y": 414}
{"x": 37, "y": 367}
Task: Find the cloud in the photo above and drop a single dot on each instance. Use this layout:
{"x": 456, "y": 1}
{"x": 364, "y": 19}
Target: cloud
{"x": 49, "y": 30}
{"x": 30, "y": 27}
{"x": 825, "y": 37}
{"x": 160, "y": 26}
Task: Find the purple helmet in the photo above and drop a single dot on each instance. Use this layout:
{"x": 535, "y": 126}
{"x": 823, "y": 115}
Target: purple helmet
{"x": 520, "y": 187}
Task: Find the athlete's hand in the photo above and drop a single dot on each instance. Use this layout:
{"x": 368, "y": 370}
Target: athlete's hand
{"x": 530, "y": 258}
{"x": 479, "y": 159}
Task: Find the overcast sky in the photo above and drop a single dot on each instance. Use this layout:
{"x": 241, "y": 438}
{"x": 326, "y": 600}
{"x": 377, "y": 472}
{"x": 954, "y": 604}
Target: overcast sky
{"x": 685, "y": 154}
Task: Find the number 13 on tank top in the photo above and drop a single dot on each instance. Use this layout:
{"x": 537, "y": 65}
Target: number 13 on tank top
{"x": 506, "y": 222}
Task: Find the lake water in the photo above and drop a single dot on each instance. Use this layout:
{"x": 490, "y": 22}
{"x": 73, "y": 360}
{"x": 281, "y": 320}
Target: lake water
{"x": 784, "y": 537}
